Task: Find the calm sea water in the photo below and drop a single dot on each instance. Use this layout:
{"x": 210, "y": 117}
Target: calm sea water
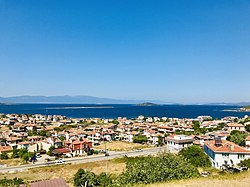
{"x": 129, "y": 111}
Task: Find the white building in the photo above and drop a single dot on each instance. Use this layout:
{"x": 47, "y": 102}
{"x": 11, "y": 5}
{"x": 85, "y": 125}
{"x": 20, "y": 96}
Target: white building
{"x": 248, "y": 142}
{"x": 177, "y": 142}
{"x": 225, "y": 152}
{"x": 235, "y": 126}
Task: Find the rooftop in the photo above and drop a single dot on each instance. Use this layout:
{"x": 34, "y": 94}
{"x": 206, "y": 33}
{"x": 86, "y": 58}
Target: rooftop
{"x": 226, "y": 147}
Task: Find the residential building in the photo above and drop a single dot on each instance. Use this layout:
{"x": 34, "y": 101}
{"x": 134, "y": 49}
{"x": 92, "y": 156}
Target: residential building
{"x": 177, "y": 142}
{"x": 235, "y": 126}
{"x": 247, "y": 142}
{"x": 225, "y": 152}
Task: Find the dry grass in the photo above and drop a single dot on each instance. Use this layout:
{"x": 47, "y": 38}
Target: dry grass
{"x": 225, "y": 180}
{"x": 116, "y": 166}
{"x": 121, "y": 146}
{"x": 66, "y": 171}
{"x": 12, "y": 162}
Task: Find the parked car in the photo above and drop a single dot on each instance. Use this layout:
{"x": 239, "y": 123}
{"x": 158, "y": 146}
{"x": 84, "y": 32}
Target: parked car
{"x": 60, "y": 161}
{"x": 138, "y": 150}
{"x": 68, "y": 155}
{"x": 38, "y": 155}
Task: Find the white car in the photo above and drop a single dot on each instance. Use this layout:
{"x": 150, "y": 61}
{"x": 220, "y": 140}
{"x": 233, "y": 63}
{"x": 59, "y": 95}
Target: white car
{"x": 138, "y": 150}
{"x": 60, "y": 161}
{"x": 38, "y": 155}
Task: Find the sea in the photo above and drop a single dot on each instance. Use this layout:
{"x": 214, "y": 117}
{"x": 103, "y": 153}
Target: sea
{"x": 107, "y": 111}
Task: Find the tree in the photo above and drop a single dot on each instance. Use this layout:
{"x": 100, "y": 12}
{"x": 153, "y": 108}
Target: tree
{"x": 62, "y": 138}
{"x": 11, "y": 182}
{"x": 82, "y": 176}
{"x": 140, "y": 139}
{"x": 245, "y": 163}
{"x": 115, "y": 122}
{"x": 15, "y": 153}
{"x": 220, "y": 126}
{"x": 50, "y": 150}
{"x": 104, "y": 180}
{"x": 196, "y": 156}
{"x": 196, "y": 125}
{"x": 161, "y": 168}
{"x": 4, "y": 156}
{"x": 247, "y": 128}
{"x": 22, "y": 152}
{"x": 26, "y": 157}
{"x": 237, "y": 137}
{"x": 160, "y": 140}
{"x": 43, "y": 133}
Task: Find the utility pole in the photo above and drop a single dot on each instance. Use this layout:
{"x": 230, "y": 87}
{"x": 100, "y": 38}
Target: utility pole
{"x": 106, "y": 155}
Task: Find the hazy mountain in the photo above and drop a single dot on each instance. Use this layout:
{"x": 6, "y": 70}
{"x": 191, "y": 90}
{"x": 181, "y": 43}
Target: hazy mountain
{"x": 70, "y": 99}
{"x": 237, "y": 104}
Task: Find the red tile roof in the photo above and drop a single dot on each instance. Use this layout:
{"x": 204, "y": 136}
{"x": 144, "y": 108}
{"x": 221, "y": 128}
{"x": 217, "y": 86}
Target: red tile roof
{"x": 5, "y": 148}
{"x": 50, "y": 183}
{"x": 61, "y": 150}
{"x": 248, "y": 138}
{"x": 235, "y": 125}
{"x": 24, "y": 143}
{"x": 226, "y": 147}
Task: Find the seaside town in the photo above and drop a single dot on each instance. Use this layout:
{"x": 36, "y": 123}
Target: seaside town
{"x": 65, "y": 137}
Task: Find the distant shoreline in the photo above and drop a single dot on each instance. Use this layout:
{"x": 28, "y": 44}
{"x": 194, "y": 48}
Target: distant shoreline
{"x": 96, "y": 107}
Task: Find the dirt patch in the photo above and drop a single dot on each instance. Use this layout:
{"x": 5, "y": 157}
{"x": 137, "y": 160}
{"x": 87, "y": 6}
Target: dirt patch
{"x": 121, "y": 146}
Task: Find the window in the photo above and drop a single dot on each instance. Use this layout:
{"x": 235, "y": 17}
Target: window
{"x": 241, "y": 156}
{"x": 225, "y": 155}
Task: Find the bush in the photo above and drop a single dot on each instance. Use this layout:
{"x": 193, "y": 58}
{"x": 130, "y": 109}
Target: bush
{"x": 15, "y": 153}
{"x": 82, "y": 176}
{"x": 237, "y": 137}
{"x": 25, "y": 157}
{"x": 51, "y": 149}
{"x": 245, "y": 163}
{"x": 22, "y": 152}
{"x": 196, "y": 156}
{"x": 4, "y": 156}
{"x": 140, "y": 139}
{"x": 11, "y": 182}
{"x": 104, "y": 180}
{"x": 157, "y": 169}
{"x": 247, "y": 127}
{"x": 141, "y": 170}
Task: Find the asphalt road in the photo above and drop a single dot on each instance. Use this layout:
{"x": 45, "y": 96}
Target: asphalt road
{"x": 79, "y": 160}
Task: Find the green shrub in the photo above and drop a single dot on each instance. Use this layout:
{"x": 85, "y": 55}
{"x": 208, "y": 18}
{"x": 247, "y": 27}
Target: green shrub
{"x": 10, "y": 182}
{"x": 83, "y": 176}
{"x": 196, "y": 156}
{"x": 245, "y": 163}
{"x": 157, "y": 169}
{"x": 237, "y": 137}
{"x": 141, "y": 170}
{"x": 4, "y": 156}
{"x": 140, "y": 139}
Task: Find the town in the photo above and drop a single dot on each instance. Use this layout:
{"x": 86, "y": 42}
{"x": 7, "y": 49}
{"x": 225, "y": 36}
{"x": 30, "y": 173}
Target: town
{"x": 64, "y": 137}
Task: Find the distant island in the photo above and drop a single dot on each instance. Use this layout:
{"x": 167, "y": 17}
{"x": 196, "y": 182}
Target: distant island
{"x": 147, "y": 104}
{"x": 245, "y": 109}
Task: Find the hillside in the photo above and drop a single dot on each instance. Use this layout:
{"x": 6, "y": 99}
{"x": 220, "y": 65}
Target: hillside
{"x": 226, "y": 180}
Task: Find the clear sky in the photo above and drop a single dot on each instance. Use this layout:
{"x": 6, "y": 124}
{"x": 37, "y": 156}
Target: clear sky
{"x": 175, "y": 51}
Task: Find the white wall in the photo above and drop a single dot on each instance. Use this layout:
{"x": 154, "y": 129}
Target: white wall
{"x": 219, "y": 160}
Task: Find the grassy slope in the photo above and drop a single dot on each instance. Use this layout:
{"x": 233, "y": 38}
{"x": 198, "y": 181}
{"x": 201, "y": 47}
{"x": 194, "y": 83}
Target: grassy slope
{"x": 66, "y": 171}
{"x": 121, "y": 146}
{"x": 227, "y": 180}
{"x": 116, "y": 166}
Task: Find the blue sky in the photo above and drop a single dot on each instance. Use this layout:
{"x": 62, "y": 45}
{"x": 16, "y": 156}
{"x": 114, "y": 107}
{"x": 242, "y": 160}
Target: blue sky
{"x": 175, "y": 51}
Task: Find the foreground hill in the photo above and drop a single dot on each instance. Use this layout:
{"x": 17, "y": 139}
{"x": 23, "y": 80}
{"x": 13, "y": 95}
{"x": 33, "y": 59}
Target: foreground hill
{"x": 116, "y": 166}
{"x": 226, "y": 180}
